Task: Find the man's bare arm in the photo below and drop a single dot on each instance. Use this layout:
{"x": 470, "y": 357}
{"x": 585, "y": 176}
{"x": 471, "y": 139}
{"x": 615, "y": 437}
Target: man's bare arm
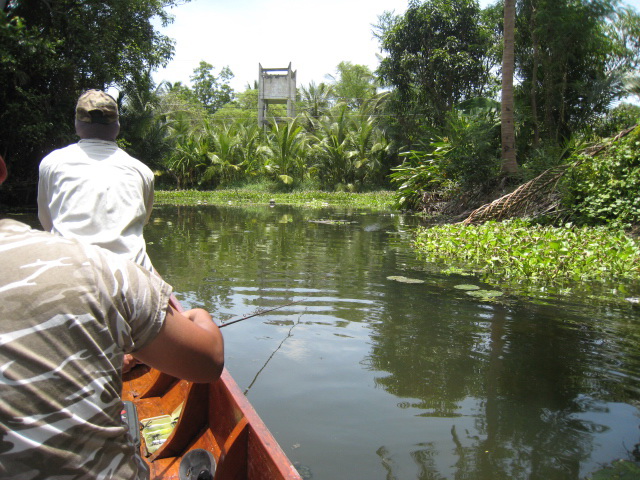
{"x": 189, "y": 346}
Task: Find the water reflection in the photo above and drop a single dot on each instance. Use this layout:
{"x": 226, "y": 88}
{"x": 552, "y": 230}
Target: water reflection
{"x": 374, "y": 378}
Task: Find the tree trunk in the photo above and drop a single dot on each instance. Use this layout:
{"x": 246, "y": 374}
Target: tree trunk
{"x": 509, "y": 163}
{"x": 534, "y": 77}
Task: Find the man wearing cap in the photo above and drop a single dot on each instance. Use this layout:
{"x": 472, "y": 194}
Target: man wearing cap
{"x": 70, "y": 311}
{"x": 94, "y": 191}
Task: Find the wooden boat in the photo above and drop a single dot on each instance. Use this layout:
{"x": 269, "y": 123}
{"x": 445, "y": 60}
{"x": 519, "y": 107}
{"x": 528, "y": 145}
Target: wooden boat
{"x": 216, "y": 417}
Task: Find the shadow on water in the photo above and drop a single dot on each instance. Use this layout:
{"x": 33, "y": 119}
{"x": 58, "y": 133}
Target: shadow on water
{"x": 373, "y": 376}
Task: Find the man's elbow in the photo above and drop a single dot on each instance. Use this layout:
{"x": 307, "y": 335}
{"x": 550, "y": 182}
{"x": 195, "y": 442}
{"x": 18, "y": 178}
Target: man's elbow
{"x": 211, "y": 373}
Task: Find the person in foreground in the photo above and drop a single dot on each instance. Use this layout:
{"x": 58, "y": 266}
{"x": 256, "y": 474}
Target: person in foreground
{"x": 70, "y": 312}
{"x": 93, "y": 190}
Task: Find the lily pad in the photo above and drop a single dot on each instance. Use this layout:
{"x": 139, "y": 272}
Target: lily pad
{"x": 467, "y": 287}
{"x": 401, "y": 279}
{"x": 485, "y": 294}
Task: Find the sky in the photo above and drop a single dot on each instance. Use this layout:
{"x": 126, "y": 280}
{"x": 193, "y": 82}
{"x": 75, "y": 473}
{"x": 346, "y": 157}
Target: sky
{"x": 313, "y": 36}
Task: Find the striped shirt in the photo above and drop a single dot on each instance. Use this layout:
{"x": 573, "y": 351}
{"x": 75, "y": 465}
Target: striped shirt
{"x": 69, "y": 313}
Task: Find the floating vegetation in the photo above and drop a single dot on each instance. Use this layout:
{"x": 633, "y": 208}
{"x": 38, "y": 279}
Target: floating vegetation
{"x": 485, "y": 294}
{"x": 619, "y": 470}
{"x": 467, "y": 287}
{"x": 332, "y": 222}
{"x": 401, "y": 279}
{"x": 379, "y": 200}
{"x": 458, "y": 271}
{"x": 532, "y": 258}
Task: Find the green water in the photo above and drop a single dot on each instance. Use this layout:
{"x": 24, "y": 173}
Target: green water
{"x": 374, "y": 378}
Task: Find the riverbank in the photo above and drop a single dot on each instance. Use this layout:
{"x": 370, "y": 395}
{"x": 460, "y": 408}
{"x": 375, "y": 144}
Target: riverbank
{"x": 525, "y": 258}
{"x": 380, "y": 200}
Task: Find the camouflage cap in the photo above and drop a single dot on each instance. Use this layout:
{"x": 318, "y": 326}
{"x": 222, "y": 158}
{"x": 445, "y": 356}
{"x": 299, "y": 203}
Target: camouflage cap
{"x": 95, "y": 106}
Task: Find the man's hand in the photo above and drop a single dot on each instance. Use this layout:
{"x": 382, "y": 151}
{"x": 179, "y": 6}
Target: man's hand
{"x": 129, "y": 363}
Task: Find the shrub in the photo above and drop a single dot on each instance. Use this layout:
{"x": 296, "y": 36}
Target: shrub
{"x": 463, "y": 156}
{"x": 606, "y": 189}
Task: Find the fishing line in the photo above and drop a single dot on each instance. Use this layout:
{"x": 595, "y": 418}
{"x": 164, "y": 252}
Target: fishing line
{"x": 273, "y": 353}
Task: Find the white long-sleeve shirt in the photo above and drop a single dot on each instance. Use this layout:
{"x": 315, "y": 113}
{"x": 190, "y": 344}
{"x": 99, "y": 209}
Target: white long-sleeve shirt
{"x": 95, "y": 192}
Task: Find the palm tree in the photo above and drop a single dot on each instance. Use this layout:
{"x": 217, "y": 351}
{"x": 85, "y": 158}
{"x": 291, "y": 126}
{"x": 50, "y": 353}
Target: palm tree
{"x": 249, "y": 137}
{"x": 632, "y": 85}
{"x": 285, "y": 151}
{"x": 369, "y": 147}
{"x": 316, "y": 101}
{"x": 223, "y": 156}
{"x": 146, "y": 129}
{"x": 509, "y": 163}
{"x": 332, "y": 148}
{"x": 187, "y": 153}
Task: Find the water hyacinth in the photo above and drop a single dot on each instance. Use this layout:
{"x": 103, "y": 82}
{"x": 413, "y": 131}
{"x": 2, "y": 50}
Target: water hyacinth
{"x": 514, "y": 251}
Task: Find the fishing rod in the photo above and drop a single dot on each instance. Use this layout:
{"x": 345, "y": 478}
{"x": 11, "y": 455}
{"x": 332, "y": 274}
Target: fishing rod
{"x": 259, "y": 311}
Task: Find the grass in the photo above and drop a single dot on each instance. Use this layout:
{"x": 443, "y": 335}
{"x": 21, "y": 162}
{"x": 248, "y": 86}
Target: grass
{"x": 380, "y": 200}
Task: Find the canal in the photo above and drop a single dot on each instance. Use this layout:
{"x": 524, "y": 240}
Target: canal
{"x": 387, "y": 369}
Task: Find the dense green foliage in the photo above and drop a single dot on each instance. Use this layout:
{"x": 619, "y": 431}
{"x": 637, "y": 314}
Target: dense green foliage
{"x": 436, "y": 56}
{"x": 462, "y": 157}
{"x": 354, "y": 84}
{"x": 522, "y": 256}
{"x": 570, "y": 60}
{"x": 606, "y": 188}
{"x": 341, "y": 149}
{"x": 52, "y": 51}
{"x": 434, "y": 127}
{"x": 566, "y": 77}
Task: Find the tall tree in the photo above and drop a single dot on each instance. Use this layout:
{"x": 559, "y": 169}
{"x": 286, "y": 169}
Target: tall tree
{"x": 354, "y": 84}
{"x": 436, "y": 54}
{"x": 507, "y": 116}
{"x": 212, "y": 90}
{"x": 52, "y": 51}
{"x": 563, "y": 56}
